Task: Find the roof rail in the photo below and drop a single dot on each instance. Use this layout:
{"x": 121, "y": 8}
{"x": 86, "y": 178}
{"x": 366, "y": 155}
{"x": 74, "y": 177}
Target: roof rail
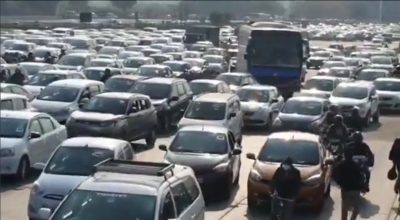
{"x": 134, "y": 167}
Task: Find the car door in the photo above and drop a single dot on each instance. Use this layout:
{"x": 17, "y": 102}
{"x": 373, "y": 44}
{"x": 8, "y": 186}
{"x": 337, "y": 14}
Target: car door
{"x": 374, "y": 101}
{"x": 134, "y": 119}
{"x": 179, "y": 105}
{"x": 51, "y": 135}
{"x": 188, "y": 199}
{"x": 7, "y": 104}
{"x": 37, "y": 146}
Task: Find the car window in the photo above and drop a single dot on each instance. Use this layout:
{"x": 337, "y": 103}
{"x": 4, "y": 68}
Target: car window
{"x": 7, "y": 104}
{"x": 191, "y": 188}
{"x": 187, "y": 87}
{"x": 7, "y": 90}
{"x": 144, "y": 104}
{"x": 78, "y": 76}
{"x": 236, "y": 106}
{"x": 174, "y": 91}
{"x": 18, "y": 91}
{"x": 36, "y": 127}
{"x": 182, "y": 198}
{"x": 181, "y": 89}
{"x": 168, "y": 210}
{"x": 373, "y": 92}
{"x": 47, "y": 125}
{"x": 128, "y": 152}
{"x": 19, "y": 104}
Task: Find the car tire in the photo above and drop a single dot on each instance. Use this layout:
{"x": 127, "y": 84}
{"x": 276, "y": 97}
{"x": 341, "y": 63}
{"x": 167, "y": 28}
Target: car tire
{"x": 367, "y": 120}
{"x": 227, "y": 190}
{"x": 23, "y": 169}
{"x": 151, "y": 138}
{"x": 327, "y": 193}
{"x": 375, "y": 117}
{"x": 251, "y": 204}
{"x": 166, "y": 124}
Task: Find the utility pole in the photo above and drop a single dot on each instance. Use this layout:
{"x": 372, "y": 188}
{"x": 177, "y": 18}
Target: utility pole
{"x": 380, "y": 11}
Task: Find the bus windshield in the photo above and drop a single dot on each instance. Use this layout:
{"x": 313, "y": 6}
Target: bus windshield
{"x": 276, "y": 48}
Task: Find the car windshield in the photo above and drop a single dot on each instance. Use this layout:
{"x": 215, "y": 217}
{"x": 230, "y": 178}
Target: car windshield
{"x": 301, "y": 152}
{"x": 59, "y": 94}
{"x": 12, "y": 127}
{"x": 381, "y": 60}
{"x": 230, "y": 79}
{"x": 387, "y": 86}
{"x": 40, "y": 53}
{"x": 370, "y": 75}
{"x": 322, "y": 54}
{"x": 206, "y": 111}
{"x": 31, "y": 69}
{"x": 109, "y": 51}
{"x": 202, "y": 87}
{"x": 150, "y": 71}
{"x": 118, "y": 85}
{"x": 342, "y": 73}
{"x": 200, "y": 142}
{"x": 71, "y": 60}
{"x": 20, "y": 47}
{"x": 133, "y": 63}
{"x": 328, "y": 65}
{"x": 153, "y": 90}
{"x": 325, "y": 85}
{"x": 44, "y": 79}
{"x": 94, "y": 74}
{"x": 101, "y": 41}
{"x": 176, "y": 67}
{"x": 213, "y": 59}
{"x": 353, "y": 92}
{"x": 352, "y": 63}
{"x": 107, "y": 105}
{"x": 301, "y": 107}
{"x": 253, "y": 95}
{"x": 95, "y": 205}
{"x": 76, "y": 160}
{"x": 98, "y": 63}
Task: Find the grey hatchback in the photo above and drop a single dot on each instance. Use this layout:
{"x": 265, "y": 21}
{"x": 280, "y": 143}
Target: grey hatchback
{"x": 126, "y": 116}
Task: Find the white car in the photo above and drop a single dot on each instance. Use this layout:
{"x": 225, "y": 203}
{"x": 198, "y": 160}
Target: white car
{"x": 320, "y": 86}
{"x": 358, "y": 93}
{"x": 27, "y": 138}
{"x": 388, "y": 90}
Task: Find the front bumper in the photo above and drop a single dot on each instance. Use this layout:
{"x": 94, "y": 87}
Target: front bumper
{"x": 79, "y": 130}
{"x": 255, "y": 119}
{"x": 295, "y": 127}
{"x": 212, "y": 183}
{"x": 9, "y": 165}
{"x": 389, "y": 104}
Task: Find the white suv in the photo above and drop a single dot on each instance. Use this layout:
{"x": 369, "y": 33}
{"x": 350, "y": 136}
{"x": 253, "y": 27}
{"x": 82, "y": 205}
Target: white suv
{"x": 361, "y": 94}
{"x": 134, "y": 190}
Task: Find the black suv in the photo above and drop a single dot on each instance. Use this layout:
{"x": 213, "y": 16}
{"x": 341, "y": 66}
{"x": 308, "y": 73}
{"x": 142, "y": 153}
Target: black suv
{"x": 117, "y": 115}
{"x": 170, "y": 96}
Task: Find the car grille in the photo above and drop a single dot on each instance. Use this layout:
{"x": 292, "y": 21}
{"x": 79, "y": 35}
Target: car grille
{"x": 385, "y": 98}
{"x": 87, "y": 122}
{"x": 54, "y": 197}
{"x": 248, "y": 113}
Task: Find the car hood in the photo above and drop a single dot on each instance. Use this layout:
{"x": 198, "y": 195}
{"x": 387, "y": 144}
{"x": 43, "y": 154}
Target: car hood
{"x": 253, "y": 106}
{"x": 267, "y": 170}
{"x": 346, "y": 101}
{"x": 59, "y": 184}
{"x": 49, "y": 106}
{"x": 94, "y": 116}
{"x": 9, "y": 142}
{"x": 196, "y": 161}
{"x": 65, "y": 67}
{"x": 296, "y": 117}
{"x": 35, "y": 90}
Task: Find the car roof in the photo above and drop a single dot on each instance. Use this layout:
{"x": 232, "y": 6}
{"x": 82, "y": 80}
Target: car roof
{"x": 234, "y": 74}
{"x": 131, "y": 77}
{"x": 324, "y": 77}
{"x": 161, "y": 80}
{"x": 388, "y": 79}
{"x": 258, "y": 87}
{"x": 159, "y": 66}
{"x": 138, "y": 58}
{"x": 210, "y": 81}
{"x": 79, "y": 54}
{"x": 93, "y": 142}
{"x": 206, "y": 128}
{"x": 104, "y": 59}
{"x": 75, "y": 83}
{"x": 120, "y": 95}
{"x": 60, "y": 72}
{"x": 33, "y": 64}
{"x": 175, "y": 61}
{"x": 294, "y": 135}
{"x": 11, "y": 96}
{"x": 374, "y": 70}
{"x": 307, "y": 98}
{"x": 215, "y": 97}
{"x": 356, "y": 84}
{"x": 20, "y": 114}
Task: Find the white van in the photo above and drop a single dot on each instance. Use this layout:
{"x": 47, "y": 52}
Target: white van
{"x": 216, "y": 109}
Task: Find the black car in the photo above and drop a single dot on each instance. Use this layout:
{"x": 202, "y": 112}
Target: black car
{"x": 170, "y": 96}
{"x": 213, "y": 154}
{"x": 122, "y": 83}
{"x": 301, "y": 114}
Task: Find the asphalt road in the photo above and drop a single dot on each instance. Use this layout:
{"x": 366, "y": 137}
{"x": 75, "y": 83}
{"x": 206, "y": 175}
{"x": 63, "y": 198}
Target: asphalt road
{"x": 377, "y": 204}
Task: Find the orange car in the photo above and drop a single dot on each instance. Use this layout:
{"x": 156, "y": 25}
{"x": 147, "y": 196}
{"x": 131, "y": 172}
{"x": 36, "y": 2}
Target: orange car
{"x": 308, "y": 155}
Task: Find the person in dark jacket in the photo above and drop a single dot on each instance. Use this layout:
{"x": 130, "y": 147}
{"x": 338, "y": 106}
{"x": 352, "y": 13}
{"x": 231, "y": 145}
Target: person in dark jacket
{"x": 4, "y": 76}
{"x": 30, "y": 57}
{"x": 330, "y": 115}
{"x": 106, "y": 76}
{"x": 360, "y": 148}
{"x": 17, "y": 78}
{"x": 49, "y": 58}
{"x": 338, "y": 130}
{"x": 61, "y": 54}
{"x": 355, "y": 122}
{"x": 286, "y": 184}
{"x": 348, "y": 176}
{"x": 394, "y": 156}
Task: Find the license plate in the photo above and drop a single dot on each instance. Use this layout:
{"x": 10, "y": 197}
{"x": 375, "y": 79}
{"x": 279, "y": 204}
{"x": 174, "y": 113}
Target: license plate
{"x": 200, "y": 180}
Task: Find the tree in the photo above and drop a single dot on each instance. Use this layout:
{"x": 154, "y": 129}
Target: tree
{"x": 124, "y": 5}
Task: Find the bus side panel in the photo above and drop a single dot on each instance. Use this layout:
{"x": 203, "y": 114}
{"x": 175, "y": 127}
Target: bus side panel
{"x": 243, "y": 37}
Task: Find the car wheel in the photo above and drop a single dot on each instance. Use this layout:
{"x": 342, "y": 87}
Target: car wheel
{"x": 23, "y": 169}
{"x": 251, "y": 203}
{"x": 375, "y": 118}
{"x": 367, "y": 119}
{"x": 226, "y": 192}
{"x": 167, "y": 123}
{"x": 269, "y": 124}
{"x": 151, "y": 138}
{"x": 328, "y": 191}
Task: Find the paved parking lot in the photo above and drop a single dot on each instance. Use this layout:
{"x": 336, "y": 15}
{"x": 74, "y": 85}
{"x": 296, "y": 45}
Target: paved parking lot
{"x": 376, "y": 205}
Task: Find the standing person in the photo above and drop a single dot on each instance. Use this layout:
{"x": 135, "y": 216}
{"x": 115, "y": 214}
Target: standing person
{"x": 356, "y": 122}
{"x": 393, "y": 173}
{"x": 348, "y": 175}
{"x": 106, "y": 76}
{"x": 17, "y": 78}
{"x": 286, "y": 184}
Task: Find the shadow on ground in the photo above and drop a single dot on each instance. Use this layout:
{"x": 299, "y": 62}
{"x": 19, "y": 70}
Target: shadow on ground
{"x": 215, "y": 204}
{"x": 8, "y": 183}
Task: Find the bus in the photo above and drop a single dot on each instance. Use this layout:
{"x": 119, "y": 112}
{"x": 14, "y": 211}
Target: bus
{"x": 274, "y": 56}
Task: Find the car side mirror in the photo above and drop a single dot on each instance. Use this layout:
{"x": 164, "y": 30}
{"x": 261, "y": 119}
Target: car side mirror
{"x": 44, "y": 213}
{"x": 174, "y": 98}
{"x": 236, "y": 152}
{"x": 232, "y": 115}
{"x": 274, "y": 100}
{"x": 251, "y": 156}
{"x": 163, "y": 147}
{"x": 39, "y": 166}
{"x": 34, "y": 135}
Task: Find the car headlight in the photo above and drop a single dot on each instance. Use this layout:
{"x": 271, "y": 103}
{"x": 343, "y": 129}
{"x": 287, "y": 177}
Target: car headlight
{"x": 221, "y": 167}
{"x": 277, "y": 122}
{"x": 36, "y": 190}
{"x": 314, "y": 180}
{"x": 7, "y": 152}
{"x": 254, "y": 175}
{"x": 263, "y": 109}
